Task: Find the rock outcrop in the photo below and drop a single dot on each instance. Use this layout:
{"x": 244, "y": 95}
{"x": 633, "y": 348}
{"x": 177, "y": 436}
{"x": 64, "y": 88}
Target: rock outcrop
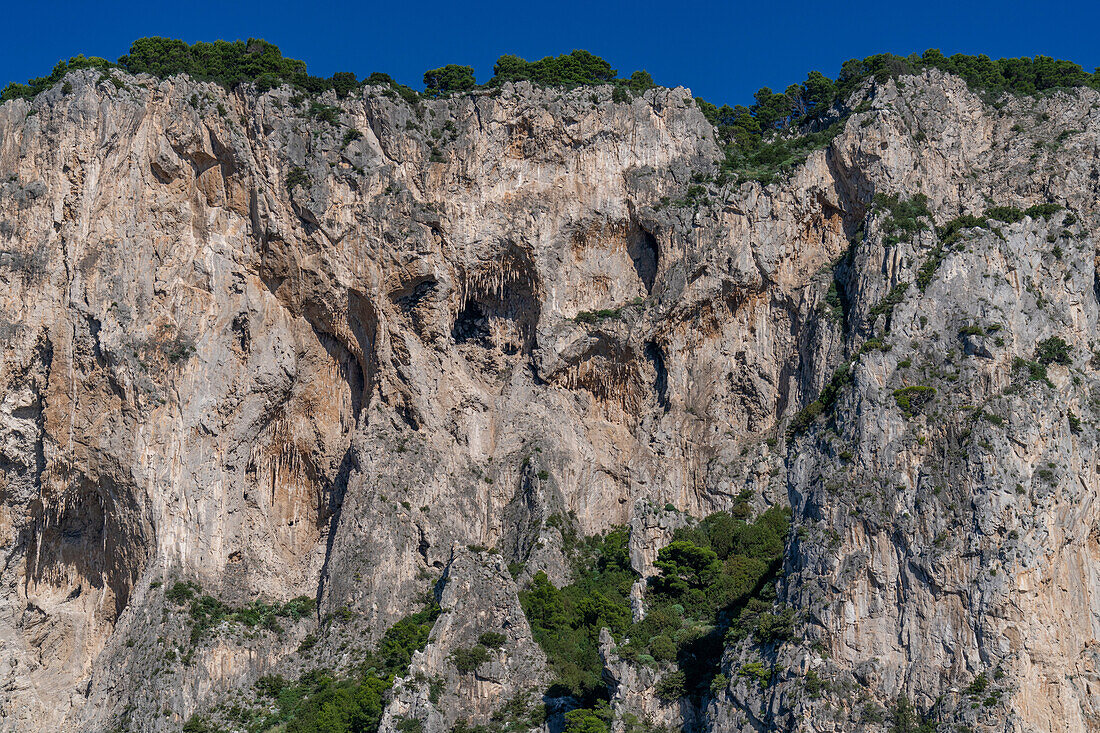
{"x": 432, "y": 345}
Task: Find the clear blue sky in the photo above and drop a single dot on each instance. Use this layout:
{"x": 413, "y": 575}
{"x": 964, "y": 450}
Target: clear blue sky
{"x": 723, "y": 51}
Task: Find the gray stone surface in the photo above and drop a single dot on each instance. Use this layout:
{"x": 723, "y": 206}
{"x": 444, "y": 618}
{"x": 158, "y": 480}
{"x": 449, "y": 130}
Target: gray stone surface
{"x": 334, "y": 390}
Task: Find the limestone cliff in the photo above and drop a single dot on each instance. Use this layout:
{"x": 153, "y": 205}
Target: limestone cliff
{"x": 253, "y": 350}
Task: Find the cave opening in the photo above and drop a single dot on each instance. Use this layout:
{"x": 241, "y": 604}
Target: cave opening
{"x": 656, "y": 359}
{"x": 472, "y": 325}
{"x": 643, "y": 253}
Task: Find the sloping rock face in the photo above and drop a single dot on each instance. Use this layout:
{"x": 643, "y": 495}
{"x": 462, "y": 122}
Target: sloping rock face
{"x": 276, "y": 356}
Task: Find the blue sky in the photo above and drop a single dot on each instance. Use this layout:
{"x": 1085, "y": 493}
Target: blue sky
{"x": 722, "y": 51}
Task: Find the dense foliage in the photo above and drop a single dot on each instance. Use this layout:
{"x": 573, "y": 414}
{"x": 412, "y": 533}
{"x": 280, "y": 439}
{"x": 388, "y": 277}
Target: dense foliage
{"x": 224, "y": 62}
{"x": 763, "y": 139}
{"x": 716, "y": 580}
{"x": 448, "y": 79}
{"x": 207, "y": 612}
{"x": 566, "y": 622}
{"x": 42, "y": 83}
{"x": 234, "y": 62}
{"x": 574, "y": 69}
{"x": 749, "y": 131}
{"x": 322, "y": 701}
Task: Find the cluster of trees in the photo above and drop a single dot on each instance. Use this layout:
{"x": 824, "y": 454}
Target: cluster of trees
{"x": 40, "y": 84}
{"x": 575, "y": 69}
{"x": 566, "y": 622}
{"x": 223, "y": 62}
{"x": 578, "y": 68}
{"x": 234, "y": 62}
{"x": 323, "y": 701}
{"x": 716, "y": 579}
{"x": 747, "y": 127}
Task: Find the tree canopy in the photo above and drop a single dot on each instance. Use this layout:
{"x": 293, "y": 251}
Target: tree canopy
{"x": 577, "y": 68}
{"x": 449, "y": 78}
{"x": 256, "y": 61}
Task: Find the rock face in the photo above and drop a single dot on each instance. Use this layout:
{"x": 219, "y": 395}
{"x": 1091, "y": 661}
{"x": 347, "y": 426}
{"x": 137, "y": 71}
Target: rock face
{"x": 254, "y": 350}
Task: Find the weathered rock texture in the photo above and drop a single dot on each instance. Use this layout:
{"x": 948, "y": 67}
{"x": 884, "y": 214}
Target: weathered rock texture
{"x": 246, "y": 348}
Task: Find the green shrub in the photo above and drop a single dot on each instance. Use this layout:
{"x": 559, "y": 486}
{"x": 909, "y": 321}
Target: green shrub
{"x": 1036, "y": 372}
{"x": 671, "y": 686}
{"x": 806, "y": 417}
{"x": 351, "y": 136}
{"x": 893, "y": 298}
{"x": 588, "y": 720}
{"x": 324, "y": 113}
{"x": 775, "y": 627}
{"x": 409, "y": 725}
{"x": 1053, "y": 350}
{"x": 812, "y": 683}
{"x": 578, "y": 68}
{"x": 297, "y": 177}
{"x": 685, "y": 566}
{"x": 1074, "y": 423}
{"x": 911, "y": 399}
{"x": 640, "y": 81}
{"x": 492, "y": 639}
{"x": 662, "y": 648}
{"x": 323, "y": 701}
{"x": 1045, "y": 211}
{"x": 756, "y": 671}
{"x": 199, "y": 724}
{"x": 182, "y": 592}
{"x": 1008, "y": 214}
{"x": 906, "y": 216}
{"x": 598, "y": 315}
{"x": 468, "y": 659}
{"x": 308, "y": 642}
{"x": 36, "y": 86}
{"x": 978, "y": 685}
{"x": 448, "y": 79}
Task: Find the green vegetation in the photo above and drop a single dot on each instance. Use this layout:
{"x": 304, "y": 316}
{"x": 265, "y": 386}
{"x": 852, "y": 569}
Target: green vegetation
{"x": 1007, "y": 214}
{"x": 492, "y": 639}
{"x": 1036, "y": 371}
{"x": 912, "y": 399}
{"x": 779, "y": 130}
{"x": 716, "y": 581}
{"x": 1074, "y": 422}
{"x": 227, "y": 63}
{"x": 906, "y": 719}
{"x": 322, "y": 700}
{"x": 579, "y": 68}
{"x": 605, "y": 314}
{"x": 40, "y": 84}
{"x": 224, "y": 62}
{"x": 448, "y": 79}
{"x": 949, "y": 234}
{"x": 766, "y": 160}
{"x": 297, "y": 177}
{"x": 1012, "y": 214}
{"x": 598, "y": 315}
{"x": 824, "y": 402}
{"x": 1043, "y": 211}
{"x": 467, "y": 659}
{"x": 207, "y": 612}
{"x": 566, "y": 622}
{"x": 1053, "y": 350}
{"x": 584, "y": 720}
{"x": 906, "y": 216}
{"x": 886, "y": 306}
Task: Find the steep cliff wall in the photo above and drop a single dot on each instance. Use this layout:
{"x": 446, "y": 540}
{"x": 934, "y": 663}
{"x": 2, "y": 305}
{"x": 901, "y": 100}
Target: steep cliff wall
{"x": 254, "y": 350}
